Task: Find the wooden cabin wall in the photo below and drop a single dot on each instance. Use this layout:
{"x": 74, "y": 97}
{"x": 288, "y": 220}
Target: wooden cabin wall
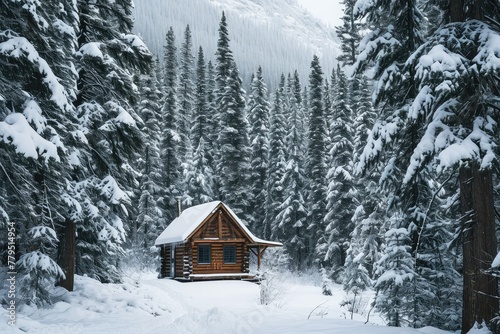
{"x": 217, "y": 264}
{"x": 179, "y": 257}
{"x": 165, "y": 261}
{"x": 183, "y": 261}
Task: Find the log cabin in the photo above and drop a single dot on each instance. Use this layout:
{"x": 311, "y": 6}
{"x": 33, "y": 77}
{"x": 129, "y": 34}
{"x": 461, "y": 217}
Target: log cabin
{"x": 208, "y": 241}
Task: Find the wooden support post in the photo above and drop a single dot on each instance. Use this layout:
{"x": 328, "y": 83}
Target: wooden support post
{"x": 258, "y": 257}
{"x": 68, "y": 256}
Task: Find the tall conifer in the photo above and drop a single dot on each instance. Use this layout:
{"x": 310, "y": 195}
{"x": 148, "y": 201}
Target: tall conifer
{"x": 316, "y": 165}
{"x": 258, "y": 117}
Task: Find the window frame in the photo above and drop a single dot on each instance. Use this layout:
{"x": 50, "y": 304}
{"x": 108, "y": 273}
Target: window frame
{"x": 233, "y": 252}
{"x": 208, "y": 247}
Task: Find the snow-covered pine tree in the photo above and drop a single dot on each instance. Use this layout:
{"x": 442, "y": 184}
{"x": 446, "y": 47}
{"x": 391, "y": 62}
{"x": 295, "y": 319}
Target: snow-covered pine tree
{"x": 325, "y": 239}
{"x": 198, "y": 175}
{"x": 258, "y": 117}
{"x": 291, "y": 220}
{"x": 38, "y": 136}
{"x": 341, "y": 186}
{"x": 397, "y": 32}
{"x": 316, "y": 166}
{"x": 222, "y": 68}
{"x": 395, "y": 274}
{"x": 232, "y": 160}
{"x": 233, "y": 164}
{"x": 224, "y": 60}
{"x": 349, "y": 34}
{"x": 326, "y": 282}
{"x": 455, "y": 101}
{"x": 367, "y": 237}
{"x": 369, "y": 199}
{"x": 108, "y": 56}
{"x": 212, "y": 113}
{"x": 277, "y": 160}
{"x": 358, "y": 267}
{"x": 211, "y": 145}
{"x": 150, "y": 217}
{"x": 200, "y": 125}
{"x": 473, "y": 100}
{"x": 437, "y": 285}
{"x": 328, "y": 98}
{"x": 357, "y": 271}
{"x": 170, "y": 137}
{"x": 185, "y": 92}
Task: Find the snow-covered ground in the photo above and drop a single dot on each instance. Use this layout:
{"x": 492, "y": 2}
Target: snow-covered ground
{"x": 145, "y": 304}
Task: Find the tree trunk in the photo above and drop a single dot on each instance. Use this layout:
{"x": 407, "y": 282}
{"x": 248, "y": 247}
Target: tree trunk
{"x": 68, "y": 256}
{"x": 480, "y": 290}
{"x": 457, "y": 11}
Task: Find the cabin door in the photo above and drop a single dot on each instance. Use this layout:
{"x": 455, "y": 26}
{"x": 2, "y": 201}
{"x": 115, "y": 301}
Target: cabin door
{"x": 172, "y": 262}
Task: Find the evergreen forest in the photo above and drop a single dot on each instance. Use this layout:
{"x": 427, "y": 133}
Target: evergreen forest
{"x": 382, "y": 174}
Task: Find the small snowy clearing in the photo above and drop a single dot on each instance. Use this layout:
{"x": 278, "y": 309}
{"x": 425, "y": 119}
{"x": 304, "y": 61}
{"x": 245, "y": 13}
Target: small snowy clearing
{"x": 145, "y": 304}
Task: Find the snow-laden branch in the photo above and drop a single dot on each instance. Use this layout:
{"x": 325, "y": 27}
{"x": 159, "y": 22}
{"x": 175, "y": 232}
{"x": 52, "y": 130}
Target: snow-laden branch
{"x": 15, "y": 130}
{"x": 17, "y": 47}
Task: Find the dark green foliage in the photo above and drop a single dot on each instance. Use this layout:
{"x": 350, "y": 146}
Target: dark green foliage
{"x": 149, "y": 216}
{"x": 37, "y": 137}
{"x": 316, "y": 166}
{"x": 258, "y": 116}
{"x": 277, "y": 159}
{"x": 185, "y": 92}
{"x": 108, "y": 57}
{"x": 348, "y": 34}
{"x": 341, "y": 187}
{"x": 233, "y": 165}
{"x": 291, "y": 225}
{"x": 232, "y": 129}
{"x": 170, "y": 137}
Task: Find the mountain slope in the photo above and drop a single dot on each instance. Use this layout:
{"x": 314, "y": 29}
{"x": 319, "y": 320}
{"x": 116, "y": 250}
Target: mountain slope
{"x": 280, "y": 35}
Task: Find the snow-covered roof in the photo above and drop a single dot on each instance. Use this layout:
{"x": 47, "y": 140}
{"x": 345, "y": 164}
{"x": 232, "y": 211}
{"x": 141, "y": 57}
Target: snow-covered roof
{"x": 183, "y": 226}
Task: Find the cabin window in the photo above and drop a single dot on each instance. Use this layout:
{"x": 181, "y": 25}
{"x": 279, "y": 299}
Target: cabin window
{"x": 229, "y": 254}
{"x": 204, "y": 254}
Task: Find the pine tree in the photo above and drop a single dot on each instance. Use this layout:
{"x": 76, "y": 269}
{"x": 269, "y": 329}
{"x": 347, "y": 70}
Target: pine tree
{"x": 200, "y": 128}
{"x": 38, "y": 136}
{"x": 348, "y": 34}
{"x": 258, "y": 117}
{"x": 316, "y": 165}
{"x": 341, "y": 187}
{"x": 277, "y": 160}
{"x": 170, "y": 136}
{"x": 185, "y": 89}
{"x": 396, "y": 272}
{"x": 401, "y": 23}
{"x": 198, "y": 171}
{"x": 150, "y": 218}
{"x": 223, "y": 62}
{"x": 292, "y": 224}
{"x": 197, "y": 176}
{"x": 368, "y": 199}
{"x": 224, "y": 59}
{"x": 212, "y": 113}
{"x": 328, "y": 95}
{"x": 360, "y": 258}
{"x": 427, "y": 120}
{"x": 108, "y": 57}
{"x": 437, "y": 292}
{"x": 232, "y": 160}
{"x": 475, "y": 170}
{"x": 233, "y": 165}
